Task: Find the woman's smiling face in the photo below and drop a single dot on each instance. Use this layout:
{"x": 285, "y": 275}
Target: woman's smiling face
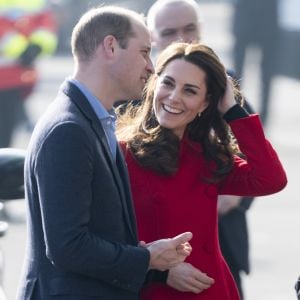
{"x": 180, "y": 94}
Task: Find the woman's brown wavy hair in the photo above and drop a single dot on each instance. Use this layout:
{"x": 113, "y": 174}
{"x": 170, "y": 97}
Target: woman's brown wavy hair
{"x": 157, "y": 148}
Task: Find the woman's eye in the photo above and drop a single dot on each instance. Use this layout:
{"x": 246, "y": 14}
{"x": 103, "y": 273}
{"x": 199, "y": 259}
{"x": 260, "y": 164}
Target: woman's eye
{"x": 167, "y": 83}
{"x": 190, "y": 91}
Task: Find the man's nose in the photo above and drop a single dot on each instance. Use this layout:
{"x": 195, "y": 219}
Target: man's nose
{"x": 150, "y": 67}
{"x": 182, "y": 37}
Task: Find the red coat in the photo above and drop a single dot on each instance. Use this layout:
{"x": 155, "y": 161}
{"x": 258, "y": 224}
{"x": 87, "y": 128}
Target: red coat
{"x": 167, "y": 206}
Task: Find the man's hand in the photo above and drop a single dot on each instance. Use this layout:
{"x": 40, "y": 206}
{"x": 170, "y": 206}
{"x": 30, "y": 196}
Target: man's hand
{"x": 186, "y": 278}
{"x": 228, "y": 202}
{"x": 167, "y": 253}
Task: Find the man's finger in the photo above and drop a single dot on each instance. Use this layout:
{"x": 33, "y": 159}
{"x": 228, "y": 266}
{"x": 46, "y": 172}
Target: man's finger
{"x": 142, "y": 244}
{"x": 182, "y": 238}
{"x": 184, "y": 249}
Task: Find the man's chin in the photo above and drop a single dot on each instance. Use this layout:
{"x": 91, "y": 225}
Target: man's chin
{"x": 137, "y": 96}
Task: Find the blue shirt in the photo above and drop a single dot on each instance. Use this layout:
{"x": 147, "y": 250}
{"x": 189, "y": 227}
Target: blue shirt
{"x": 107, "y": 118}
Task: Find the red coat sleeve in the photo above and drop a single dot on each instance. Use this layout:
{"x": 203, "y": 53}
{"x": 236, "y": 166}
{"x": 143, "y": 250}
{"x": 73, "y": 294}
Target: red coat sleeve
{"x": 261, "y": 173}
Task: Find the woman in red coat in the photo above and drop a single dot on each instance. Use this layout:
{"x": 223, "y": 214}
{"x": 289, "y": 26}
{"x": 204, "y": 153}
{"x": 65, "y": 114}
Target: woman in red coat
{"x": 181, "y": 155}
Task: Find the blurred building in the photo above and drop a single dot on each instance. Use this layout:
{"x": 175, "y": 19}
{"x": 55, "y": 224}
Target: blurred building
{"x": 68, "y": 13}
{"x": 289, "y": 48}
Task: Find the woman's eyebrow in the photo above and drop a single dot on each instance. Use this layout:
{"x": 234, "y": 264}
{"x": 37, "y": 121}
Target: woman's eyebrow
{"x": 192, "y": 85}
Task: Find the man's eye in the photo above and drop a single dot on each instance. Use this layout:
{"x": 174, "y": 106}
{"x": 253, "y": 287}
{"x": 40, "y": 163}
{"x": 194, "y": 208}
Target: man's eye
{"x": 190, "y": 29}
{"x": 168, "y": 33}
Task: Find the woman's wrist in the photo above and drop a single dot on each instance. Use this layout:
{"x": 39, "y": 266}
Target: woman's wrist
{"x": 235, "y": 112}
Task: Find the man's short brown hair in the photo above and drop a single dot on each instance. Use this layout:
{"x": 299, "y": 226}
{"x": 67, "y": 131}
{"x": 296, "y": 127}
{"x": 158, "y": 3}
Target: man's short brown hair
{"x": 99, "y": 22}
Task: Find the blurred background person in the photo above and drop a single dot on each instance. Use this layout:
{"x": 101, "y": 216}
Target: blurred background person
{"x": 255, "y": 24}
{"x": 173, "y": 20}
{"x": 27, "y": 30}
{"x": 297, "y": 287}
{"x": 179, "y": 20}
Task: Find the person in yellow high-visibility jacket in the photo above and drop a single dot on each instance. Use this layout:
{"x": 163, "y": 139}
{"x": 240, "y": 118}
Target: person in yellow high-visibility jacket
{"x": 27, "y": 30}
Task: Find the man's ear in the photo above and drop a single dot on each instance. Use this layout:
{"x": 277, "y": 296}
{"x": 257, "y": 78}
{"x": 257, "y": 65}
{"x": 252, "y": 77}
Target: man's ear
{"x": 110, "y": 45}
{"x": 199, "y": 26}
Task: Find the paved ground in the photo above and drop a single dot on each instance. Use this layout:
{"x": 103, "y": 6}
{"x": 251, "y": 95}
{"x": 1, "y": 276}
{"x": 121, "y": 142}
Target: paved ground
{"x": 274, "y": 221}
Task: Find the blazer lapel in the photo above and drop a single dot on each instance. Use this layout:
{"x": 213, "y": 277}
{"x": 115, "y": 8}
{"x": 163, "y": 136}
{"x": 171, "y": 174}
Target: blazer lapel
{"x": 118, "y": 169}
{"x": 120, "y": 174}
{"x": 124, "y": 174}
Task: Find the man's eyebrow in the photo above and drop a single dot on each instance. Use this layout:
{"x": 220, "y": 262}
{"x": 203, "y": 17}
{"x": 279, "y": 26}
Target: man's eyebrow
{"x": 190, "y": 25}
{"x": 167, "y": 30}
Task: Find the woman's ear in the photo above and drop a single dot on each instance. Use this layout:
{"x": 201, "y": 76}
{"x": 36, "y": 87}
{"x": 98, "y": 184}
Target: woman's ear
{"x": 207, "y": 101}
{"x": 203, "y": 108}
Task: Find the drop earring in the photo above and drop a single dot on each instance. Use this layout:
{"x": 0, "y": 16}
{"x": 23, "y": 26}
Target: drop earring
{"x": 199, "y": 114}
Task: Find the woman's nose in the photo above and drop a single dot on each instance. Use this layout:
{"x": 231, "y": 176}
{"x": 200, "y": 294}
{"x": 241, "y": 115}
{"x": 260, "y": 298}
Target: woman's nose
{"x": 174, "y": 95}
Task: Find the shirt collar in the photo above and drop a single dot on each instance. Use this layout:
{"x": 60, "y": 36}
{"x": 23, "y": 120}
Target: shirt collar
{"x": 96, "y": 104}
